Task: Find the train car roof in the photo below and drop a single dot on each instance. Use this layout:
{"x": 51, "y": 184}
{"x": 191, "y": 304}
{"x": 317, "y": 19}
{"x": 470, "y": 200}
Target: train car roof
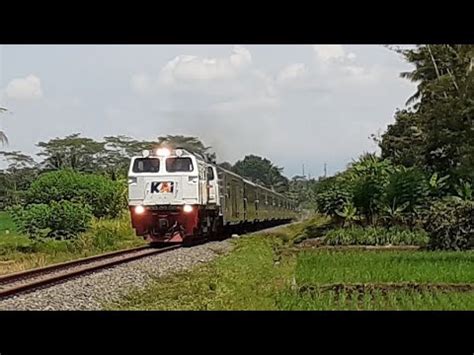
{"x": 252, "y": 183}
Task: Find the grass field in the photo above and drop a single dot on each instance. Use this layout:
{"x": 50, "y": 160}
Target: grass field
{"x": 259, "y": 275}
{"x": 384, "y": 266}
{"x": 18, "y": 252}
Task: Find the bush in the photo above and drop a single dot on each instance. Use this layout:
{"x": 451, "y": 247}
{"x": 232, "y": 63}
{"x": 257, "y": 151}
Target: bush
{"x": 450, "y": 224}
{"x": 368, "y": 177}
{"x": 333, "y": 196}
{"x": 375, "y": 236}
{"x": 105, "y": 196}
{"x": 62, "y": 220}
{"x": 107, "y": 234}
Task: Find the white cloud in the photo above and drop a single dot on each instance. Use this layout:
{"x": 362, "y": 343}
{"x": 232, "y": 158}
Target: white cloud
{"x": 292, "y": 72}
{"x": 24, "y": 88}
{"x": 185, "y": 68}
{"x": 329, "y": 52}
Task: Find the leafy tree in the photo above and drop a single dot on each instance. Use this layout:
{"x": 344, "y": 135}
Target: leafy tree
{"x": 104, "y": 196}
{"x": 114, "y": 160}
{"x": 442, "y": 115}
{"x": 262, "y": 171}
{"x": 402, "y": 141}
{"x": 225, "y": 165}
{"x": 72, "y": 152}
{"x": 20, "y": 173}
{"x": 367, "y": 178}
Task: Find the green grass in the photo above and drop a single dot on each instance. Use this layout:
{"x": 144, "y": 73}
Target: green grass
{"x": 18, "y": 252}
{"x": 245, "y": 279}
{"x": 259, "y": 275}
{"x": 394, "y": 300}
{"x": 6, "y": 224}
{"x": 357, "y": 235}
{"x": 327, "y": 266}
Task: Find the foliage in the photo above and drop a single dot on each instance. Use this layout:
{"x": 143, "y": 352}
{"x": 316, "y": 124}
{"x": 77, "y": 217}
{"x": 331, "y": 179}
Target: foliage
{"x": 375, "y": 236}
{"x": 348, "y": 213}
{"x": 402, "y": 140}
{"x": 301, "y": 190}
{"x": 368, "y": 177}
{"x": 436, "y": 133}
{"x": 22, "y": 252}
{"x": 103, "y": 195}
{"x": 464, "y": 190}
{"x": 450, "y": 224}
{"x": 333, "y": 195}
{"x": 262, "y": 171}
{"x": 20, "y": 173}
{"x": 63, "y": 219}
{"x": 406, "y": 192}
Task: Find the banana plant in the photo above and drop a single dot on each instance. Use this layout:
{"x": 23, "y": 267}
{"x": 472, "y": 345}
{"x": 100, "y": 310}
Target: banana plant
{"x": 437, "y": 184}
{"x": 348, "y": 213}
{"x": 394, "y": 213}
{"x": 464, "y": 190}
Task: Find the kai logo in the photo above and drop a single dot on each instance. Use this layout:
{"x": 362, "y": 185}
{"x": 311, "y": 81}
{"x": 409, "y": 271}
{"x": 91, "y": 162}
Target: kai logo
{"x": 161, "y": 187}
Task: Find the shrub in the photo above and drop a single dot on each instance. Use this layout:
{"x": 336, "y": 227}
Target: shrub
{"x": 368, "y": 178}
{"x": 62, "y": 220}
{"x": 406, "y": 192}
{"x": 105, "y": 234}
{"x": 375, "y": 236}
{"x": 450, "y": 224}
{"x": 333, "y": 196}
{"x": 105, "y": 196}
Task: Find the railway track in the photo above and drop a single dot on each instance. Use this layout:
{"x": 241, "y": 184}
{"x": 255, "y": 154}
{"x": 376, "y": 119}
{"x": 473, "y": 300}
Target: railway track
{"x": 13, "y": 284}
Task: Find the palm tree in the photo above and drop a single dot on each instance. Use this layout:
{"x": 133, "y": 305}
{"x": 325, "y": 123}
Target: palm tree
{"x": 3, "y": 136}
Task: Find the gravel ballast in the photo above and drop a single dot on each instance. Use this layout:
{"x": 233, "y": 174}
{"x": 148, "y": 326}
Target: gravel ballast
{"x": 89, "y": 292}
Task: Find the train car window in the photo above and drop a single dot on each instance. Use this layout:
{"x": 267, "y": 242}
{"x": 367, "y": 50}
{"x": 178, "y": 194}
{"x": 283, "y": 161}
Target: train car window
{"x": 146, "y": 165}
{"x": 174, "y": 165}
{"x": 210, "y": 173}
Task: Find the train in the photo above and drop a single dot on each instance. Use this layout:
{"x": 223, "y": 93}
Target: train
{"x": 176, "y": 196}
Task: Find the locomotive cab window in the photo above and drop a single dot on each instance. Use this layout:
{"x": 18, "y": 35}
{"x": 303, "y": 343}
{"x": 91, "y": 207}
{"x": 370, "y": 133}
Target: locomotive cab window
{"x": 174, "y": 165}
{"x": 146, "y": 165}
{"x": 210, "y": 173}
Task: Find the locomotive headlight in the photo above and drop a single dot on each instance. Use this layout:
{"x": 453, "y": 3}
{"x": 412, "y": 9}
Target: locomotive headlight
{"x": 179, "y": 152}
{"x": 163, "y": 152}
{"x": 187, "y": 208}
{"x": 139, "y": 209}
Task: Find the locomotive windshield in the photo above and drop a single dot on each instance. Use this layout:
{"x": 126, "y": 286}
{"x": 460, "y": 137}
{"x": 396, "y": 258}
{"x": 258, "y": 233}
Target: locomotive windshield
{"x": 179, "y": 165}
{"x": 146, "y": 165}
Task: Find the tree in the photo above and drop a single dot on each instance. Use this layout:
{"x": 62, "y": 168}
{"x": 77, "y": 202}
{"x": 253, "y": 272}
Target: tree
{"x": 72, "y": 152}
{"x": 20, "y": 173}
{"x": 115, "y": 158}
{"x": 262, "y": 171}
{"x": 402, "y": 141}
{"x": 225, "y": 165}
{"x": 191, "y": 144}
{"x": 442, "y": 112}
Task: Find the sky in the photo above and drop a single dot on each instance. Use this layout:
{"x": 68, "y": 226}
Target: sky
{"x": 293, "y": 104}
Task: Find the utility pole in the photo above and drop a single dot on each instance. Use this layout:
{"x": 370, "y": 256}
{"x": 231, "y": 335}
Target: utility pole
{"x": 303, "y": 171}
{"x": 325, "y": 170}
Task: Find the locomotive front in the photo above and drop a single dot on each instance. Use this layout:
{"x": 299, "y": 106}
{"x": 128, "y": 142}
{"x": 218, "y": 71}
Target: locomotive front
{"x": 163, "y": 192}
